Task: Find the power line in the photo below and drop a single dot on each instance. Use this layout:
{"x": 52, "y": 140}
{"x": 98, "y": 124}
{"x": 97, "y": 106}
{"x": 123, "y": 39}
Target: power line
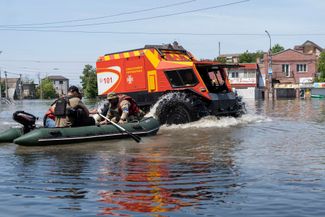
{"x": 101, "y": 17}
{"x": 138, "y": 19}
{"x": 13, "y": 73}
{"x": 48, "y": 61}
{"x": 71, "y": 71}
{"x": 129, "y": 33}
{"x": 164, "y": 33}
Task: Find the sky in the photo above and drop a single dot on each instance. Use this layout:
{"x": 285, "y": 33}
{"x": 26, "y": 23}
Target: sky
{"x": 43, "y": 37}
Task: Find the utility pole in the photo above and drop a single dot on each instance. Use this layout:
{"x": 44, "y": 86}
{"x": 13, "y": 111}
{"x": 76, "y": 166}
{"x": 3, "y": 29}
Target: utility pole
{"x": 40, "y": 85}
{"x": 20, "y": 88}
{"x": 219, "y": 48}
{"x": 6, "y": 85}
{"x": 270, "y": 71}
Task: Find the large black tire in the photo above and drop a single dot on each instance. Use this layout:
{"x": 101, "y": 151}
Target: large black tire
{"x": 240, "y": 107}
{"x": 176, "y": 108}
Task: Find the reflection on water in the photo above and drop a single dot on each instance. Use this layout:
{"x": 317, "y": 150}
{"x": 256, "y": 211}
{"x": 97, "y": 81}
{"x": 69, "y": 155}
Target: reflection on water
{"x": 145, "y": 189}
{"x": 154, "y": 182}
{"x": 125, "y": 179}
{"x": 56, "y": 173}
{"x": 270, "y": 162}
{"x": 301, "y": 110}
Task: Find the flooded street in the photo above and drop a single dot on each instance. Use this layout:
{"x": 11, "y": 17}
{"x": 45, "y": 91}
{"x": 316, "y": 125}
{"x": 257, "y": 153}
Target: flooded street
{"x": 270, "y": 162}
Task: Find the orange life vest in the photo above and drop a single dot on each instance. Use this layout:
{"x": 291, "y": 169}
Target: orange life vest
{"x": 50, "y": 113}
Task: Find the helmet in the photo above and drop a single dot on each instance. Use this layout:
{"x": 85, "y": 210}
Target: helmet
{"x": 111, "y": 96}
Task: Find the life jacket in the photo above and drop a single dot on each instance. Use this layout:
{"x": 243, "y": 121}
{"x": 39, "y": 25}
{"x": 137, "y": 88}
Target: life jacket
{"x": 62, "y": 107}
{"x": 134, "y": 108}
{"x": 60, "y": 110}
{"x": 50, "y": 113}
{"x": 72, "y": 116}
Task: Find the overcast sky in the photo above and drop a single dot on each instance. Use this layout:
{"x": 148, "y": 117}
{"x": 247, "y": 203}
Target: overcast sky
{"x": 59, "y": 37}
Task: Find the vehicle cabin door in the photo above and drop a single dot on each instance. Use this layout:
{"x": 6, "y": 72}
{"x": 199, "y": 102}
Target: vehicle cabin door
{"x": 135, "y": 79}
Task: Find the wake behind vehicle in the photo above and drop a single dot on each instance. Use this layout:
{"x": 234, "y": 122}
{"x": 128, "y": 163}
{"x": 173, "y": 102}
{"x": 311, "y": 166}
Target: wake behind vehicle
{"x": 185, "y": 88}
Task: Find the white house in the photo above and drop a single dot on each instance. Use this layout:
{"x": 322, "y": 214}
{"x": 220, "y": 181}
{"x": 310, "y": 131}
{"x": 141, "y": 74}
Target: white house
{"x": 61, "y": 84}
{"x": 247, "y": 80}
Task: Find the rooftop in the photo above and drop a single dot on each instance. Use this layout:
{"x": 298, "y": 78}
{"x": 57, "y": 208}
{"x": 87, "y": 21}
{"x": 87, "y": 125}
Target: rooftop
{"x": 56, "y": 77}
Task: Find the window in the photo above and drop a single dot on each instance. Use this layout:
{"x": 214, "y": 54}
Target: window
{"x": 181, "y": 77}
{"x": 214, "y": 78}
{"x": 301, "y": 68}
{"x": 286, "y": 70}
{"x": 249, "y": 74}
{"x": 234, "y": 74}
{"x": 60, "y": 82}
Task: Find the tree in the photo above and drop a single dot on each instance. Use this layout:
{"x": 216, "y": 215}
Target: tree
{"x": 277, "y": 48}
{"x": 89, "y": 81}
{"x": 321, "y": 67}
{"x": 221, "y": 59}
{"x": 46, "y": 89}
{"x": 247, "y": 57}
{"x": 259, "y": 54}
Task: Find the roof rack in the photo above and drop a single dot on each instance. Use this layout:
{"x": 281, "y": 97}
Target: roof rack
{"x": 169, "y": 47}
{"x": 174, "y": 46}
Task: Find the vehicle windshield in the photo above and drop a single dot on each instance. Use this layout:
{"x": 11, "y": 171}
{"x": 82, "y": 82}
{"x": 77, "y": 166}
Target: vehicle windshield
{"x": 181, "y": 77}
{"x": 213, "y": 78}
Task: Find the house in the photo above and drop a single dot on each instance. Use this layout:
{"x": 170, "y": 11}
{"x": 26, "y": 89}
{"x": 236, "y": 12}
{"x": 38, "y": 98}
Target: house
{"x": 247, "y": 80}
{"x": 60, "y": 83}
{"x": 29, "y": 91}
{"x": 293, "y": 67}
{"x": 230, "y": 58}
{"x": 294, "y": 70}
{"x": 14, "y": 88}
{"x": 309, "y": 47}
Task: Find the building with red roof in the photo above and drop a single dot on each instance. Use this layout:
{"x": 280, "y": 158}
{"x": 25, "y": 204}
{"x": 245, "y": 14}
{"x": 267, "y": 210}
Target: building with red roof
{"x": 247, "y": 80}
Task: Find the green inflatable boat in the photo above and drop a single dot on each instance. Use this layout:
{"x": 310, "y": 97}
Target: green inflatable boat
{"x": 54, "y": 136}
{"x": 318, "y": 96}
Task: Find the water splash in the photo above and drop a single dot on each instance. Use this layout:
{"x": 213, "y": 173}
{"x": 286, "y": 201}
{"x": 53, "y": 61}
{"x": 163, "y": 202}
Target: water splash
{"x": 168, "y": 96}
{"x": 209, "y": 121}
{"x": 220, "y": 122}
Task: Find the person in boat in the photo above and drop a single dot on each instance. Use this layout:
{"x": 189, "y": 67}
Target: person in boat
{"x": 122, "y": 109}
{"x": 70, "y": 111}
{"x": 49, "y": 117}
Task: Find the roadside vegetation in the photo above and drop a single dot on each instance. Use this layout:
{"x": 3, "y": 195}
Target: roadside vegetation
{"x": 46, "y": 90}
{"x": 321, "y": 68}
{"x": 89, "y": 82}
{"x": 277, "y": 48}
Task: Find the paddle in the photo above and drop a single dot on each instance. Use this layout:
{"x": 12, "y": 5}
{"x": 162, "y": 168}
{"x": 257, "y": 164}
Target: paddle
{"x": 135, "y": 137}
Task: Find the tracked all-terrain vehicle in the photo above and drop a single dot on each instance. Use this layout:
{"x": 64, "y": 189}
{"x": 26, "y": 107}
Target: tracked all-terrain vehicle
{"x": 186, "y": 89}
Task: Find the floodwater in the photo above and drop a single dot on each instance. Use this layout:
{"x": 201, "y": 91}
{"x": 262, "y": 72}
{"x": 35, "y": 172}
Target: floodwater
{"x": 270, "y": 162}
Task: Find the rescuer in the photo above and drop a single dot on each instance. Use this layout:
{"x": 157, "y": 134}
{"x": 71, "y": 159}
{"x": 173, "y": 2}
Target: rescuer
{"x": 70, "y": 111}
{"x": 122, "y": 109}
{"x": 49, "y": 117}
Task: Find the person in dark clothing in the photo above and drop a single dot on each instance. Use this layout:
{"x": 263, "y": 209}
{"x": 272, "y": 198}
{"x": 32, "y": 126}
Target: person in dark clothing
{"x": 72, "y": 111}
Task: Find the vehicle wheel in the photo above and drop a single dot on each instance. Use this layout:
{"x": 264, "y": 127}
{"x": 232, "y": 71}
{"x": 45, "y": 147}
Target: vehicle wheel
{"x": 240, "y": 108}
{"x": 176, "y": 109}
